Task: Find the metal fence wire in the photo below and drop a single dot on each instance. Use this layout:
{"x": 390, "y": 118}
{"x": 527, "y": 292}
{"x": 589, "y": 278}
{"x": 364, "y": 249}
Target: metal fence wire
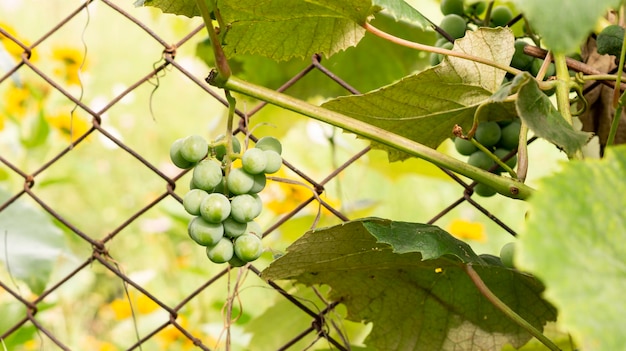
{"x": 99, "y": 255}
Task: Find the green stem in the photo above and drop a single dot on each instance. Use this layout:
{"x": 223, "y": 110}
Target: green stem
{"x": 504, "y": 185}
{"x": 522, "y": 152}
{"x": 499, "y": 304}
{"x": 617, "y": 102}
{"x": 495, "y": 158}
{"x": 410, "y": 44}
{"x": 229, "y": 137}
{"x": 223, "y": 69}
{"x": 563, "y": 85}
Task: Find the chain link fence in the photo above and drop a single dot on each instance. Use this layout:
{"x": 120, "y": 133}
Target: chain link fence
{"x": 99, "y": 254}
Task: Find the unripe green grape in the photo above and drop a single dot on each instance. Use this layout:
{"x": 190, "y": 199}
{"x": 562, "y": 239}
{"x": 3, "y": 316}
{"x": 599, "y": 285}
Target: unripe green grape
{"x": 245, "y": 208}
{"x": 510, "y": 136}
{"x": 220, "y": 150}
{"x": 452, "y": 7}
{"x": 207, "y": 175}
{"x": 236, "y": 262}
{"x": 439, "y": 57}
{"x": 269, "y": 143}
{"x": 274, "y": 162}
{"x": 536, "y": 64}
{"x": 464, "y": 146}
{"x": 484, "y": 190}
{"x": 221, "y": 252}
{"x": 454, "y": 25}
{"x": 194, "y": 148}
{"x": 205, "y": 233}
{"x": 501, "y": 153}
{"x": 233, "y": 229}
{"x": 481, "y": 160}
{"x": 520, "y": 60}
{"x": 177, "y": 159}
{"x": 476, "y": 9}
{"x": 507, "y": 254}
{"x": 192, "y": 201}
{"x": 248, "y": 247}
{"x": 500, "y": 16}
{"x": 253, "y": 161}
{"x": 434, "y": 59}
{"x": 488, "y": 133}
{"x": 215, "y": 208}
{"x": 259, "y": 183}
{"x": 239, "y": 181}
{"x": 253, "y": 227}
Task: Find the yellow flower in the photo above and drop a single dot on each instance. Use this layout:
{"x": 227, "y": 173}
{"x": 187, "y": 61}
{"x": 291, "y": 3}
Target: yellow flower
{"x": 463, "y": 229}
{"x": 11, "y": 46}
{"x": 16, "y": 100}
{"x": 91, "y": 343}
{"x": 72, "y": 61}
{"x": 70, "y": 128}
{"x": 170, "y": 335}
{"x": 141, "y": 305}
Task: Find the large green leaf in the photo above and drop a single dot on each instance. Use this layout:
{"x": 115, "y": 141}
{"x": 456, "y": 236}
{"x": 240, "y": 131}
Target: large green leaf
{"x": 564, "y": 32}
{"x": 426, "y": 106}
{"x": 282, "y": 29}
{"x": 179, "y": 7}
{"x": 574, "y": 242}
{"x": 378, "y": 269}
{"x": 401, "y": 10}
{"x": 30, "y": 243}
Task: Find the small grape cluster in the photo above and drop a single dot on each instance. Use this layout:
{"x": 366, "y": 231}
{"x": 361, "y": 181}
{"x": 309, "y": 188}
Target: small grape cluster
{"x": 461, "y": 15}
{"x": 499, "y": 138}
{"x": 225, "y": 203}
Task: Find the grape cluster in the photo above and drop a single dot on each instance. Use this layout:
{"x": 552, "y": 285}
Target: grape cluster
{"x": 224, "y": 202}
{"x": 499, "y": 138}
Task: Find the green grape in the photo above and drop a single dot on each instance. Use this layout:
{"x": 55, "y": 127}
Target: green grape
{"x": 535, "y": 66}
{"x": 507, "y": 254}
{"x": 488, "y": 133}
{"x": 452, "y": 7}
{"x": 177, "y": 159}
{"x": 481, "y": 160}
{"x": 233, "y": 229}
{"x": 520, "y": 60}
{"x": 221, "y": 252}
{"x": 434, "y": 59}
{"x": 464, "y": 146}
{"x": 205, "y": 233}
{"x": 269, "y": 143}
{"x": 259, "y": 183}
{"x": 220, "y": 150}
{"x": 510, "y": 136}
{"x": 215, "y": 208}
{"x": 239, "y": 181}
{"x": 253, "y": 227}
{"x": 439, "y": 57}
{"x": 500, "y": 16}
{"x": 236, "y": 262}
{"x": 207, "y": 175}
{"x": 254, "y": 161}
{"x": 454, "y": 25}
{"x": 484, "y": 190}
{"x": 245, "y": 208}
{"x": 192, "y": 201}
{"x": 501, "y": 153}
{"x": 194, "y": 148}
{"x": 610, "y": 40}
{"x": 274, "y": 162}
{"x": 248, "y": 247}
{"x": 476, "y": 9}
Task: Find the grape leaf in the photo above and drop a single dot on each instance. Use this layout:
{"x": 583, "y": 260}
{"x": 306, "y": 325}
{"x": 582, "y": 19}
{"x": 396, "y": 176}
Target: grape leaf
{"x": 426, "y": 106}
{"x": 574, "y": 241}
{"x": 31, "y": 243}
{"x": 401, "y": 10}
{"x": 413, "y": 302}
{"x": 178, "y": 7}
{"x": 534, "y": 107}
{"x": 576, "y": 18}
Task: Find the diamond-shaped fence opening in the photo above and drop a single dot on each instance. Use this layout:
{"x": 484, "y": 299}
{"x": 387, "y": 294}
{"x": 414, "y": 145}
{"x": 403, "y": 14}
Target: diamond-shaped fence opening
{"x": 109, "y": 139}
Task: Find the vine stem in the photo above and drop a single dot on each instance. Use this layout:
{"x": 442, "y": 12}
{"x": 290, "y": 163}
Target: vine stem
{"x": 499, "y": 304}
{"x": 562, "y": 93}
{"x": 410, "y": 44}
{"x": 505, "y": 186}
{"x": 220, "y": 57}
{"x": 618, "y": 102}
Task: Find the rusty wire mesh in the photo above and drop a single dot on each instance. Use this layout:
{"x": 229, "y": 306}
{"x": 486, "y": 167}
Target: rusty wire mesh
{"x": 99, "y": 253}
